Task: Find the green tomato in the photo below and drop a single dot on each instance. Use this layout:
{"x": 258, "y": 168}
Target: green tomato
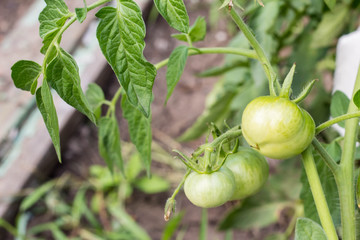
{"x": 210, "y": 190}
{"x": 250, "y": 170}
{"x": 277, "y": 127}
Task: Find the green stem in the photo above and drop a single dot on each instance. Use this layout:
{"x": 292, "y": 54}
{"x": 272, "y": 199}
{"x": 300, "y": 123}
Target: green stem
{"x": 346, "y": 177}
{"x": 113, "y": 102}
{"x": 215, "y": 50}
{"x": 338, "y": 119}
{"x": 269, "y": 71}
{"x": 189, "y": 40}
{"x": 334, "y": 167}
{"x": 97, "y": 4}
{"x": 318, "y": 194}
{"x": 176, "y": 191}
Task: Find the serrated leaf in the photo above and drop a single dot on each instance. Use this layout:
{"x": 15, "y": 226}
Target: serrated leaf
{"x": 152, "y": 185}
{"x": 175, "y": 68}
{"x": 47, "y": 109}
{"x": 95, "y": 97}
{"x": 63, "y": 75}
{"x": 306, "y": 229}
{"x": 174, "y": 12}
{"x": 197, "y": 31}
{"x": 109, "y": 143}
{"x": 36, "y": 195}
{"x": 25, "y": 73}
{"x": 51, "y": 19}
{"x": 139, "y": 129}
{"x": 328, "y": 184}
{"x": 121, "y": 33}
{"x": 81, "y": 12}
{"x": 356, "y": 99}
{"x": 339, "y": 105}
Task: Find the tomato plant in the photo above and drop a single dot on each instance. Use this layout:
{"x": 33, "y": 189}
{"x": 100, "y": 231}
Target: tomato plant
{"x": 250, "y": 170}
{"x": 209, "y": 190}
{"x": 277, "y": 127}
{"x": 274, "y": 125}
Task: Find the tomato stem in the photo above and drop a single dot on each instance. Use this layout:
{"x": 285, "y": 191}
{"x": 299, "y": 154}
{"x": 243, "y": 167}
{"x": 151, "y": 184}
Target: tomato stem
{"x": 335, "y": 120}
{"x": 318, "y": 194}
{"x": 346, "y": 179}
{"x": 269, "y": 71}
{"x": 215, "y": 50}
{"x": 330, "y": 162}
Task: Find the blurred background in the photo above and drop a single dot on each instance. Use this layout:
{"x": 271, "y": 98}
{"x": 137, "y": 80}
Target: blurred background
{"x": 79, "y": 199}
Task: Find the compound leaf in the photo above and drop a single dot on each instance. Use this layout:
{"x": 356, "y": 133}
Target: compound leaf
{"x": 47, "y": 109}
{"x": 174, "y": 12}
{"x": 197, "y": 31}
{"x": 307, "y": 229}
{"x": 121, "y": 33}
{"x": 109, "y": 142}
{"x": 51, "y": 19}
{"x": 175, "y": 68}
{"x": 25, "y": 73}
{"x": 139, "y": 129}
{"x": 63, "y": 75}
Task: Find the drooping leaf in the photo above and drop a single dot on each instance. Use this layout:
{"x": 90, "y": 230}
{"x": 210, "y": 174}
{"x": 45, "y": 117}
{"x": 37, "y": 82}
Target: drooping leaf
{"x": 307, "y": 229}
{"x": 174, "y": 12}
{"x": 47, "y": 109}
{"x": 339, "y": 105}
{"x": 95, "y": 97}
{"x": 109, "y": 142}
{"x": 121, "y": 33}
{"x": 155, "y": 184}
{"x": 51, "y": 19}
{"x": 139, "y": 129}
{"x": 36, "y": 195}
{"x": 328, "y": 184}
{"x": 63, "y": 75}
{"x": 25, "y": 73}
{"x": 81, "y": 12}
{"x": 196, "y": 33}
{"x": 175, "y": 68}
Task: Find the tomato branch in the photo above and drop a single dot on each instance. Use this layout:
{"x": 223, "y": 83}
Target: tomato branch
{"x": 318, "y": 194}
{"x": 334, "y": 167}
{"x": 216, "y": 50}
{"x": 338, "y": 119}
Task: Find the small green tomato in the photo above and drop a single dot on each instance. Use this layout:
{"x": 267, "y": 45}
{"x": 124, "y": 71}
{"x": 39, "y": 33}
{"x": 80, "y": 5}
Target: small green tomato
{"x": 277, "y": 127}
{"x": 210, "y": 190}
{"x": 250, "y": 170}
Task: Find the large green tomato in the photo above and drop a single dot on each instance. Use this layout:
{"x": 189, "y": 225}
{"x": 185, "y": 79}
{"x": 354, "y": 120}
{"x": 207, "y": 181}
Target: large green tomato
{"x": 277, "y": 127}
{"x": 210, "y": 190}
{"x": 250, "y": 170}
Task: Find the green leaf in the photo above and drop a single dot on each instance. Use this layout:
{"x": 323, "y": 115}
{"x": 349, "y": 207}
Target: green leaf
{"x": 339, "y": 105}
{"x": 139, "y": 129}
{"x": 133, "y": 167}
{"x": 174, "y": 12}
{"x": 95, "y": 97}
{"x": 81, "y": 12}
{"x": 47, "y": 109}
{"x": 152, "y": 185}
{"x": 175, "y": 68}
{"x": 8, "y": 227}
{"x": 121, "y": 33}
{"x": 63, "y": 75}
{"x": 330, "y": 3}
{"x": 196, "y": 33}
{"x": 36, "y": 195}
{"x": 356, "y": 99}
{"x": 172, "y": 226}
{"x": 330, "y": 27}
{"x": 109, "y": 142}
{"x": 25, "y": 73}
{"x": 328, "y": 184}
{"x": 306, "y": 229}
{"x": 51, "y": 19}
{"x": 252, "y": 216}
